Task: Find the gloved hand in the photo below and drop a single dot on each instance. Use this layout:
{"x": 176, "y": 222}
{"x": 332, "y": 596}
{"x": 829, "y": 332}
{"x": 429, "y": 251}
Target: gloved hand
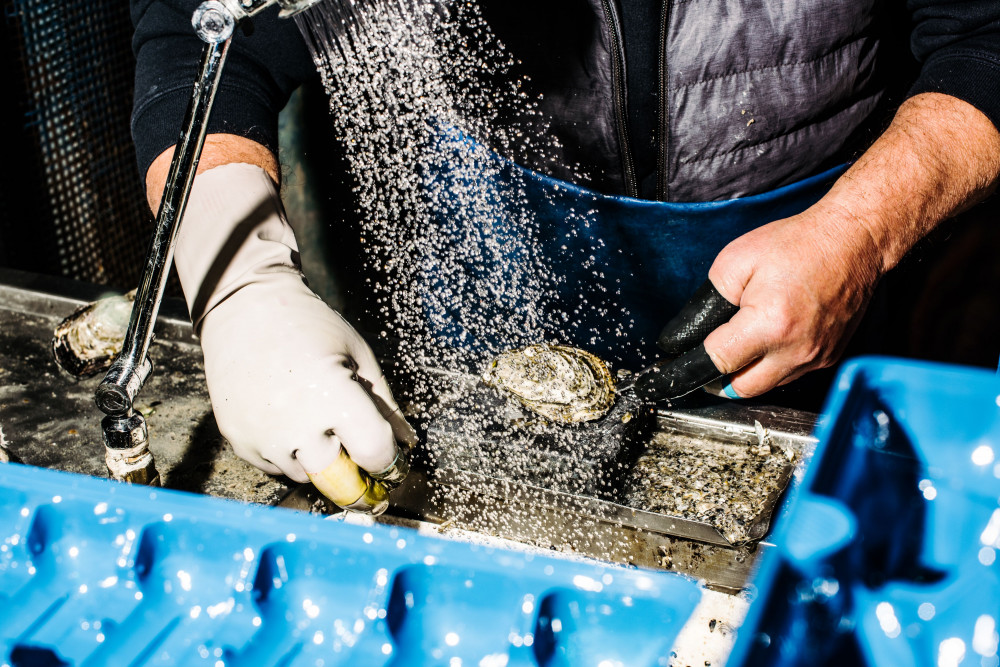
{"x": 294, "y": 388}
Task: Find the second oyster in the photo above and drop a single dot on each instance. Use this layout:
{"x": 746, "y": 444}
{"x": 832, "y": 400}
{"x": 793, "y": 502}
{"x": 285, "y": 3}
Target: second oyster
{"x": 87, "y": 342}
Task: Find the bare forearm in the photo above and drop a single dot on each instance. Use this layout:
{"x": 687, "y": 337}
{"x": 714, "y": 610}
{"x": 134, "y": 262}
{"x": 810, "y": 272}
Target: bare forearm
{"x": 219, "y": 149}
{"x": 939, "y": 156}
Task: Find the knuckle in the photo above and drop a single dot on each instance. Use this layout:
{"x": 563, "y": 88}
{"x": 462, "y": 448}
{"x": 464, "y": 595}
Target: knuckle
{"x": 781, "y": 323}
{"x": 808, "y": 356}
{"x": 722, "y": 360}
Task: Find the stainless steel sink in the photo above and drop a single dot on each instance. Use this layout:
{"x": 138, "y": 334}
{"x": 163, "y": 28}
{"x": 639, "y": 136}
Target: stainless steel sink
{"x": 49, "y": 419}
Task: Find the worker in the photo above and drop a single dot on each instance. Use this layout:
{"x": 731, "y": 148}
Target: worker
{"x": 707, "y": 109}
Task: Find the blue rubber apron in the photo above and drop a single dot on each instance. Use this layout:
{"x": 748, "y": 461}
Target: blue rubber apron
{"x": 624, "y": 266}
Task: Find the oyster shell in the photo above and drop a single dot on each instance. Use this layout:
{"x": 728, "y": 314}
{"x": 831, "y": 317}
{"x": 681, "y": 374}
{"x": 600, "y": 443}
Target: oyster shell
{"x": 88, "y": 341}
{"x": 558, "y": 382}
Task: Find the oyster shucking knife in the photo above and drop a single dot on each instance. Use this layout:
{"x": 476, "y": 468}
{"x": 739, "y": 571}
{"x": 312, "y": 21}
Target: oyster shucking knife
{"x": 683, "y": 338}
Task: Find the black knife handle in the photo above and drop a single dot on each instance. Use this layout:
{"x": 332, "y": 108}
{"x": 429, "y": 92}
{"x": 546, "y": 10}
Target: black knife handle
{"x": 673, "y": 379}
{"x": 706, "y": 311}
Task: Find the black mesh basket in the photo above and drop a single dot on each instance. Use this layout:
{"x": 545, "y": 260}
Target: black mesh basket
{"x": 71, "y": 200}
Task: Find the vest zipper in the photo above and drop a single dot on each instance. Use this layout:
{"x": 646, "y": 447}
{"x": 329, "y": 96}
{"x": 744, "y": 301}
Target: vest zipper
{"x": 618, "y": 82}
{"x": 662, "y": 138}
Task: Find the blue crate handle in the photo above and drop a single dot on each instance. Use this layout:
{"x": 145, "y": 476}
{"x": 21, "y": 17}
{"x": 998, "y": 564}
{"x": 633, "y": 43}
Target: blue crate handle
{"x": 888, "y": 552}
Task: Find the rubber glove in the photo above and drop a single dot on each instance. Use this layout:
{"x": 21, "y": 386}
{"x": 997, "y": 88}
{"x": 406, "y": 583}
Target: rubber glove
{"x": 294, "y": 388}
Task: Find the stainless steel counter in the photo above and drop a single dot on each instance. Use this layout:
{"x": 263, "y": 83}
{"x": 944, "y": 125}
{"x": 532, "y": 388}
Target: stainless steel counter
{"x": 49, "y": 419}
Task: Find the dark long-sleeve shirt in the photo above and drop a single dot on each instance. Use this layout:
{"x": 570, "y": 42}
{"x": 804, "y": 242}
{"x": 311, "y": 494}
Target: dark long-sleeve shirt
{"x": 956, "y": 43}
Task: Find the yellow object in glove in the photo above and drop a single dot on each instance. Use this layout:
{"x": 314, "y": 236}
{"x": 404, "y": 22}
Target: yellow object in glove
{"x": 294, "y": 388}
{"x": 349, "y": 487}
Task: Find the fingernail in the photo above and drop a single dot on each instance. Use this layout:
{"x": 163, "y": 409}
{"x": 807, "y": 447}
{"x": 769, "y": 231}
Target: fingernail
{"x": 730, "y": 392}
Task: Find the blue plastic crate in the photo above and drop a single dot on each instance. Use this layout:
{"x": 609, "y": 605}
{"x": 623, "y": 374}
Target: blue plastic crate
{"x": 887, "y": 555}
{"x": 98, "y": 573}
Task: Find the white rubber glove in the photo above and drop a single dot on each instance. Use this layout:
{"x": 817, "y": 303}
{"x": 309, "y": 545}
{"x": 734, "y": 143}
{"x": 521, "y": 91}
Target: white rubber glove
{"x": 290, "y": 380}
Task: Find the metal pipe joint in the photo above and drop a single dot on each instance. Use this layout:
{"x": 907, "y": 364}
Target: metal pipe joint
{"x": 214, "y": 20}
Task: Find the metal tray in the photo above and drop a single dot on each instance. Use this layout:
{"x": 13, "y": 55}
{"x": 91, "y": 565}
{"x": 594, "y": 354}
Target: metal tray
{"x": 49, "y": 420}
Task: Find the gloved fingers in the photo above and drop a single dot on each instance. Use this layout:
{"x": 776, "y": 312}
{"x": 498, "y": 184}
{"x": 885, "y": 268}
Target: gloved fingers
{"x": 258, "y": 461}
{"x": 340, "y": 479}
{"x": 393, "y": 474}
{"x": 703, "y": 313}
{"x": 675, "y": 378}
{"x": 317, "y": 452}
{"x": 373, "y": 379}
{"x": 356, "y": 419}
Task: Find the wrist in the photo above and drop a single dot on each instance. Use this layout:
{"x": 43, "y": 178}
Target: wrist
{"x": 848, "y": 238}
{"x": 938, "y": 157}
{"x": 219, "y": 149}
{"x": 233, "y": 234}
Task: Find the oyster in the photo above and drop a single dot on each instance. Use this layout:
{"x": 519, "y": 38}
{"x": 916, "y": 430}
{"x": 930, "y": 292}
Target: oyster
{"x": 88, "y": 341}
{"x": 558, "y": 382}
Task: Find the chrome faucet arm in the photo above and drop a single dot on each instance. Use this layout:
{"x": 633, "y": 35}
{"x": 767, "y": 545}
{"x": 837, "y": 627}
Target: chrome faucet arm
{"x": 123, "y": 381}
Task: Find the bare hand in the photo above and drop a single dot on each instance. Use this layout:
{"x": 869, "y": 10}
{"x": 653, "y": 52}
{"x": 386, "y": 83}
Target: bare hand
{"x": 802, "y": 285}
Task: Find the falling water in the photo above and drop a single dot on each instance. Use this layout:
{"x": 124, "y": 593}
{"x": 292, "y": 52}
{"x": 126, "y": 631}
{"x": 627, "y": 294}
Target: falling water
{"x": 451, "y": 230}
{"x": 452, "y": 235}
{"x": 445, "y": 220}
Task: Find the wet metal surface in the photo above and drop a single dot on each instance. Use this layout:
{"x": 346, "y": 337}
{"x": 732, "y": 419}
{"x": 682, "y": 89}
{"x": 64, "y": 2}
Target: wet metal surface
{"x": 633, "y": 528}
{"x": 728, "y": 481}
{"x": 49, "y": 419}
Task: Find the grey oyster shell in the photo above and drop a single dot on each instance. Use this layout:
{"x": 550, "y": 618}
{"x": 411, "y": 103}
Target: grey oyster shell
{"x": 88, "y": 341}
{"x": 558, "y": 382}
